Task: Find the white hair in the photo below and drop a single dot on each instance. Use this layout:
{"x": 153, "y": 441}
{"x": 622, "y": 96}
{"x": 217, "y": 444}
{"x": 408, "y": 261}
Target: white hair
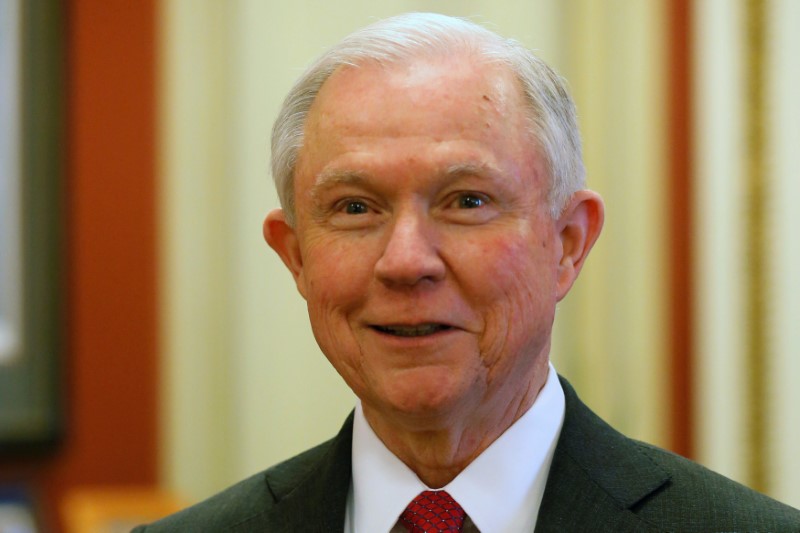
{"x": 551, "y": 112}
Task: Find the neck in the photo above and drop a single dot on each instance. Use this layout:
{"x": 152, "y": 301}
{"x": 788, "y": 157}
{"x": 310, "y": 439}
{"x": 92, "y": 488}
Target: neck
{"x": 437, "y": 452}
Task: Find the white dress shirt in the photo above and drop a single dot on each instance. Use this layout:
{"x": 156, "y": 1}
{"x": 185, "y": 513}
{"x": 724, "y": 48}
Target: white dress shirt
{"x": 500, "y": 491}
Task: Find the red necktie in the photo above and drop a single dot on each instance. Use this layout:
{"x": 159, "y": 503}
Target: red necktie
{"x": 433, "y": 511}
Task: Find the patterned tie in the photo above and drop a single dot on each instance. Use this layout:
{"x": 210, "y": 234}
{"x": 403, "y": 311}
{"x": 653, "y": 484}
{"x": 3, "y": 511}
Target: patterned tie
{"x": 433, "y": 511}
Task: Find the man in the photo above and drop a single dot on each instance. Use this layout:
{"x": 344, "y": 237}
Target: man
{"x": 433, "y": 215}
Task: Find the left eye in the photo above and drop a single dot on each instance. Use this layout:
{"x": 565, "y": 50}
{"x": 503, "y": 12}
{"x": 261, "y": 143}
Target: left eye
{"x": 470, "y": 201}
{"x": 355, "y": 207}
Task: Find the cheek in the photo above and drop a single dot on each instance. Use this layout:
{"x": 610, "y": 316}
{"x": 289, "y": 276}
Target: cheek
{"x": 334, "y": 289}
{"x": 336, "y": 282}
{"x": 516, "y": 284}
{"x": 516, "y": 271}
{"x": 332, "y": 270}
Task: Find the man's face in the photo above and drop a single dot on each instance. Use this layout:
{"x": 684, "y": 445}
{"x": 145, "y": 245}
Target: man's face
{"x": 423, "y": 243}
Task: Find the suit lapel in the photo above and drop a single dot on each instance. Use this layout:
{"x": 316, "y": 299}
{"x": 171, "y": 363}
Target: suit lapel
{"x": 314, "y": 501}
{"x": 597, "y": 477}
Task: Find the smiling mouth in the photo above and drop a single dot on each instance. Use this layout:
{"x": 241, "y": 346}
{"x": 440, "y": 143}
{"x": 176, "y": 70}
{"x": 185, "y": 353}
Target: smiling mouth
{"x": 412, "y": 331}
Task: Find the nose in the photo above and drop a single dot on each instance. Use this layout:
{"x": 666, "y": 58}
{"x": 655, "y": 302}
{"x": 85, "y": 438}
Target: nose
{"x": 411, "y": 254}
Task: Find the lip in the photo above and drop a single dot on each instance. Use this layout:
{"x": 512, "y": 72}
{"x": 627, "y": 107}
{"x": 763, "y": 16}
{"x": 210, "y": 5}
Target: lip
{"x": 412, "y": 331}
{"x": 438, "y": 332}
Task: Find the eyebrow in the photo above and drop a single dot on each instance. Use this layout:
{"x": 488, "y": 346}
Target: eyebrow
{"x": 331, "y": 178}
{"x": 471, "y": 169}
{"x": 328, "y": 179}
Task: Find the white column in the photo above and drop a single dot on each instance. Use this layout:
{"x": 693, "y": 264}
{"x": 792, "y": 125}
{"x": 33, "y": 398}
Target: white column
{"x": 720, "y": 216}
{"x": 611, "y": 331}
{"x": 783, "y": 141}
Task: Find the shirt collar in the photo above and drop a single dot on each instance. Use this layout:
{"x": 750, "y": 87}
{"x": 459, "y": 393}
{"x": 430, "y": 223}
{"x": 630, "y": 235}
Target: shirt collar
{"x": 501, "y": 490}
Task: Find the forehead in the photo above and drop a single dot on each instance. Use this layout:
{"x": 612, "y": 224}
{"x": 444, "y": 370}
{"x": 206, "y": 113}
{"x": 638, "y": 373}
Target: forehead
{"x": 435, "y": 103}
{"x": 440, "y": 87}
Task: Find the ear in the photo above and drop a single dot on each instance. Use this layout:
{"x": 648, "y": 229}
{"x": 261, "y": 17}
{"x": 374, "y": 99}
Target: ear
{"x": 579, "y": 227}
{"x": 283, "y": 239}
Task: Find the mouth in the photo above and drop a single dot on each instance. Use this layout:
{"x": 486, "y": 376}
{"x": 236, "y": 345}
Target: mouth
{"x": 419, "y": 330}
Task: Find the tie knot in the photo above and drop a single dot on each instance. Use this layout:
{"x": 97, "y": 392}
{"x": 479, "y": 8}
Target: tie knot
{"x": 433, "y": 511}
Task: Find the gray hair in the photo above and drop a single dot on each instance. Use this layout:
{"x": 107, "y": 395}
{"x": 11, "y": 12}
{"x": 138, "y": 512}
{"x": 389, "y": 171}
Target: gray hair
{"x": 551, "y": 111}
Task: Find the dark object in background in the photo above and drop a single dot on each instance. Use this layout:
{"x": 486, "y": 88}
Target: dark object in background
{"x": 31, "y": 403}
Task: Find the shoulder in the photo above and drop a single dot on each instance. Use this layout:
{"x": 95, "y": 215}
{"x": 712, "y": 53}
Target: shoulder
{"x": 248, "y": 501}
{"x": 643, "y": 485}
{"x": 708, "y": 501}
{"x": 233, "y": 506}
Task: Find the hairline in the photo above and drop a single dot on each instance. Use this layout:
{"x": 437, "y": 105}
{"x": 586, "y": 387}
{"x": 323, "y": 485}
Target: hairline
{"x": 476, "y": 43}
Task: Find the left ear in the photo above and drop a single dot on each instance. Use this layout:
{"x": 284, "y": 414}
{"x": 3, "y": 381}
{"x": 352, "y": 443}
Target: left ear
{"x": 578, "y": 228}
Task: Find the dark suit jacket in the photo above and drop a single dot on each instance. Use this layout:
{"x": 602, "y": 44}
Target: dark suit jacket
{"x": 599, "y": 481}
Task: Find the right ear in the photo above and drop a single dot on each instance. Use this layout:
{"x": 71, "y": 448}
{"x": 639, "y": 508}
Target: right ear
{"x": 283, "y": 239}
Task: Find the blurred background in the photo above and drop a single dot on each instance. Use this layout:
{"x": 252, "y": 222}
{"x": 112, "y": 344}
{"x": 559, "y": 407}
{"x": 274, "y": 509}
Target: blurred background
{"x": 182, "y": 354}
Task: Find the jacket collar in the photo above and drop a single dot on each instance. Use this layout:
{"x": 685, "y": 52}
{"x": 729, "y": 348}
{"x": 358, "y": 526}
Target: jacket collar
{"x": 310, "y": 491}
{"x": 597, "y": 476}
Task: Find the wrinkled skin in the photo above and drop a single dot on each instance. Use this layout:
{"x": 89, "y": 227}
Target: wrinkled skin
{"x": 427, "y": 254}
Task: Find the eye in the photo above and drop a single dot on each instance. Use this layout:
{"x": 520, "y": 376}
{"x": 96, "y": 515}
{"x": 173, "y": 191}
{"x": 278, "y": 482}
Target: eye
{"x": 347, "y": 211}
{"x": 470, "y": 201}
{"x": 355, "y": 207}
{"x": 469, "y": 207}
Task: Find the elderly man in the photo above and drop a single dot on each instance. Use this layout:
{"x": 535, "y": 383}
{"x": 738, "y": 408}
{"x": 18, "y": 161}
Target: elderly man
{"x": 434, "y": 214}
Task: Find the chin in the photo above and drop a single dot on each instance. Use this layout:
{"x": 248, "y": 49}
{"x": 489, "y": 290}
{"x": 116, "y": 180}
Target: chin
{"x": 427, "y": 403}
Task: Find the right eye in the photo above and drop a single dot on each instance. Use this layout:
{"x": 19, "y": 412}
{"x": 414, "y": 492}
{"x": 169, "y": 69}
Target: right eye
{"x": 353, "y": 212}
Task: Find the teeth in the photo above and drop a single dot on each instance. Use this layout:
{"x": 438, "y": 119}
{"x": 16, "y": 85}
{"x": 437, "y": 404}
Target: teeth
{"x": 412, "y": 331}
